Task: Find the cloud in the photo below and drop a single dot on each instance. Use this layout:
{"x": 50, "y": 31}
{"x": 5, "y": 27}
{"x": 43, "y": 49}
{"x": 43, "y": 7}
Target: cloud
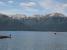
{"x": 11, "y": 1}
{"x": 28, "y": 5}
{"x": 65, "y": 5}
{"x": 62, "y": 1}
{"x": 59, "y": 8}
{"x": 34, "y": 6}
{"x": 53, "y": 6}
{"x": 46, "y": 3}
{"x": 10, "y": 11}
{"x": 2, "y": 3}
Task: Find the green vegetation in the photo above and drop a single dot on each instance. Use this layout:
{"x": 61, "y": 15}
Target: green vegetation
{"x": 57, "y": 22}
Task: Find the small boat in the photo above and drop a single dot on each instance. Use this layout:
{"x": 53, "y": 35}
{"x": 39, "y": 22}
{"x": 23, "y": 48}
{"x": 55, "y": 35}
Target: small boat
{"x": 3, "y": 37}
{"x": 55, "y": 33}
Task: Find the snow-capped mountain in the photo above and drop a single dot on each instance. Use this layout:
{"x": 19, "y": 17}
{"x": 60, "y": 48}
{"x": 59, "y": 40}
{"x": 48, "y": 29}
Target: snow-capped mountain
{"x": 55, "y": 15}
{"x": 18, "y": 16}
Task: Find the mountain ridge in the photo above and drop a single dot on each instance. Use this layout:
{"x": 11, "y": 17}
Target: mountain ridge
{"x": 50, "y": 22}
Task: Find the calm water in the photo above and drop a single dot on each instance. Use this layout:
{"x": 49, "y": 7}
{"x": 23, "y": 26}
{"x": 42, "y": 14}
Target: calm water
{"x": 29, "y": 40}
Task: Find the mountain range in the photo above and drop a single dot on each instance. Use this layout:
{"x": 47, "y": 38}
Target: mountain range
{"x": 50, "y": 22}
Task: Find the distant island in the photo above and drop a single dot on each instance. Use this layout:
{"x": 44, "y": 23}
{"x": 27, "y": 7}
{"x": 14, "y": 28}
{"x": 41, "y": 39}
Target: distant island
{"x": 50, "y": 22}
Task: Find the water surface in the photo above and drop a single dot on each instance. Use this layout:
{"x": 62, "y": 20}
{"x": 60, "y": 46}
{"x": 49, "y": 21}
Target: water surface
{"x": 32, "y": 40}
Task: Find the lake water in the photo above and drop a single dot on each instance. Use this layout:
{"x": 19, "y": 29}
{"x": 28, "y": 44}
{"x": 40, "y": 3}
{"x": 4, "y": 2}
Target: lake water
{"x": 32, "y": 40}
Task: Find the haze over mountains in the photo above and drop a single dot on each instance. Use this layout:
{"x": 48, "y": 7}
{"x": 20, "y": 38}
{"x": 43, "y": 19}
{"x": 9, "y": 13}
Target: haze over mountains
{"x": 49, "y": 22}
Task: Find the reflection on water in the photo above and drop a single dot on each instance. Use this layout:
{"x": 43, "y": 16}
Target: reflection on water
{"x": 29, "y": 40}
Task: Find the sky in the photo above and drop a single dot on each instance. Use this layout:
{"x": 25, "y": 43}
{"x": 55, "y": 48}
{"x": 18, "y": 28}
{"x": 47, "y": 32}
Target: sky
{"x": 31, "y": 7}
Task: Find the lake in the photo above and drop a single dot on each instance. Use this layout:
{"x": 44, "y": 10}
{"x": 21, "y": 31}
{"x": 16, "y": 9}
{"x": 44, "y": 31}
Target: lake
{"x": 33, "y": 40}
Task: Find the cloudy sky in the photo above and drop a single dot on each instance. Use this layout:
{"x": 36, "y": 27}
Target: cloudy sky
{"x": 30, "y": 7}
